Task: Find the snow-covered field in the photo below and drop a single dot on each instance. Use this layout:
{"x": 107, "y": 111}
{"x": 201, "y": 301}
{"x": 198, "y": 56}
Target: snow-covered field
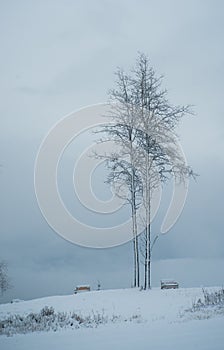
{"x": 132, "y": 319}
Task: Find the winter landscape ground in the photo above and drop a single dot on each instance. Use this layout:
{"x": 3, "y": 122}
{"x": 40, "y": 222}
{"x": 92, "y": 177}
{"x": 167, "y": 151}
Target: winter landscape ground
{"x": 185, "y": 318}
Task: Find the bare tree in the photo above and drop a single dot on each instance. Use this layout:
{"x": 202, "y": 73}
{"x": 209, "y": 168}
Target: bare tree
{"x": 144, "y": 125}
{"x": 157, "y": 120}
{"x": 4, "y": 279}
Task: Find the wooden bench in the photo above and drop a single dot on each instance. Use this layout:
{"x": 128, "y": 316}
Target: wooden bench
{"x": 83, "y": 288}
{"x": 169, "y": 284}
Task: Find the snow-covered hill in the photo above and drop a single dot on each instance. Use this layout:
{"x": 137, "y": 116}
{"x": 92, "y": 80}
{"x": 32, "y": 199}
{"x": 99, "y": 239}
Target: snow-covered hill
{"x": 127, "y": 318}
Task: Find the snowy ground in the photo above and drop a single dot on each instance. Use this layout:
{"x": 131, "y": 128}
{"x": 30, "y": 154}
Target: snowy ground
{"x": 162, "y": 322}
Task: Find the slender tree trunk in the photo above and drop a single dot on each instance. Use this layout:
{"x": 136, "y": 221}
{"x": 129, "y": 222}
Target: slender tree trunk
{"x": 149, "y": 238}
{"x": 147, "y": 283}
{"x": 148, "y": 224}
{"x": 135, "y": 237}
{"x": 145, "y": 263}
{"x": 137, "y": 260}
{"x": 134, "y": 218}
{"x": 149, "y": 252}
{"x": 136, "y": 250}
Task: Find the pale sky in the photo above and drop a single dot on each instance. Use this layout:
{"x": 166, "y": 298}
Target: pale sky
{"x": 58, "y": 56}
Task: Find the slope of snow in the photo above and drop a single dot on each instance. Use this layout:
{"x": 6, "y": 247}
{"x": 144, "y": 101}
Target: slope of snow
{"x": 151, "y": 304}
{"x": 161, "y": 326}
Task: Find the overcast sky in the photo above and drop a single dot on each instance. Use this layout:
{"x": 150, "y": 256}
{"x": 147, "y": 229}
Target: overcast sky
{"x": 58, "y": 56}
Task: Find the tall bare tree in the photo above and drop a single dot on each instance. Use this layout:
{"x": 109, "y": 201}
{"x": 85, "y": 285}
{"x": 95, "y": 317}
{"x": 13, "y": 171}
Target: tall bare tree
{"x": 144, "y": 127}
{"x": 157, "y": 121}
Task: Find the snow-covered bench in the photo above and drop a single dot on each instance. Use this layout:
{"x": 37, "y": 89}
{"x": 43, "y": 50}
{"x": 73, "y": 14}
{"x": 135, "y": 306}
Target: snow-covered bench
{"x": 83, "y": 288}
{"x": 169, "y": 284}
